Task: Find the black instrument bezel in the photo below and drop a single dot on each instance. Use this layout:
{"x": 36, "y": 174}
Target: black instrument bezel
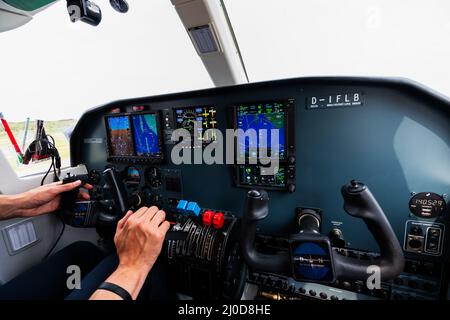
{"x": 157, "y": 158}
{"x": 289, "y": 169}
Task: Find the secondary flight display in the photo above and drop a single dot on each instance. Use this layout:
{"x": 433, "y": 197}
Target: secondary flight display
{"x": 262, "y": 118}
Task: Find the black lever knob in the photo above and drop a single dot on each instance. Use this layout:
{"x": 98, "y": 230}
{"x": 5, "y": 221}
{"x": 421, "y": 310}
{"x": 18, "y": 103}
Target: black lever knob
{"x": 257, "y": 205}
{"x": 254, "y": 194}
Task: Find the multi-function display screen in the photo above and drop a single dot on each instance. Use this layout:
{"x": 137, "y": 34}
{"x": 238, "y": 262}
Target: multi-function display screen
{"x": 146, "y": 138}
{"x": 264, "y": 119}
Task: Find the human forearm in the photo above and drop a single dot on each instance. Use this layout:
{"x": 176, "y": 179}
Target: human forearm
{"x": 129, "y": 278}
{"x": 10, "y": 206}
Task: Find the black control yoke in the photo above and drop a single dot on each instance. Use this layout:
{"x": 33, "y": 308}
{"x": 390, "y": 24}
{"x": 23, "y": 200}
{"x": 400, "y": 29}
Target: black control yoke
{"x": 358, "y": 202}
{"x": 119, "y": 197}
{"x": 257, "y": 208}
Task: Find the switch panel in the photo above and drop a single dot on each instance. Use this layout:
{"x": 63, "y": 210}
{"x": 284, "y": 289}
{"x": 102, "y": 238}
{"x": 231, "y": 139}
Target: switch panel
{"x": 424, "y": 237}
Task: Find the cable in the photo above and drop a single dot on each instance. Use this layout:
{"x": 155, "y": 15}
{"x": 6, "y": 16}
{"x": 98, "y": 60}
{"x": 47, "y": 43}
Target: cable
{"x": 48, "y": 171}
{"x": 57, "y": 239}
{"x": 54, "y": 154}
{"x": 51, "y": 150}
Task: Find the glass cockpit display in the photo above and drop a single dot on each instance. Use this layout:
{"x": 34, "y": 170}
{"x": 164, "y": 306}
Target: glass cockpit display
{"x": 134, "y": 136}
{"x": 257, "y": 176}
{"x": 120, "y": 139}
{"x": 146, "y": 138}
{"x": 263, "y": 122}
{"x": 185, "y": 118}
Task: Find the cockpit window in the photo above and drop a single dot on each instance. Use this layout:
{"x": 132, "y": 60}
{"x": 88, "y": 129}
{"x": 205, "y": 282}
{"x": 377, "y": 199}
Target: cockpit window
{"x": 291, "y": 38}
{"x": 54, "y": 70}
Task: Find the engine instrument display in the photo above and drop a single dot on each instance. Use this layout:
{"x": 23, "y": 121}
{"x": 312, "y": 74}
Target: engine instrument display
{"x": 266, "y": 119}
{"x": 186, "y": 117}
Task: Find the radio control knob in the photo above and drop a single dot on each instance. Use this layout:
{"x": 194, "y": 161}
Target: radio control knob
{"x": 291, "y": 188}
{"x": 291, "y": 160}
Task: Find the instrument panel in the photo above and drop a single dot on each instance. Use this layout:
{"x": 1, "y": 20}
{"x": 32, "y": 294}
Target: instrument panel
{"x": 392, "y": 134}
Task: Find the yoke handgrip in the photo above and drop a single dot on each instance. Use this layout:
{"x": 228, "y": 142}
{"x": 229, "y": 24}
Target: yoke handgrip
{"x": 119, "y": 195}
{"x": 256, "y": 209}
{"x": 360, "y": 203}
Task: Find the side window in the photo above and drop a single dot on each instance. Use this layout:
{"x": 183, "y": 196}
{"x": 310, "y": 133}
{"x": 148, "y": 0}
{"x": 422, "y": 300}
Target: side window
{"x": 24, "y": 134}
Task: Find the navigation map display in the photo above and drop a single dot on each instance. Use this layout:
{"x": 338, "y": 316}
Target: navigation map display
{"x": 261, "y": 117}
{"x": 120, "y": 140}
{"x": 146, "y": 137}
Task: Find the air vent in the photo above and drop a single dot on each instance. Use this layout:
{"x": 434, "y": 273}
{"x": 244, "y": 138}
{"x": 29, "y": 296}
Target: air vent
{"x": 20, "y": 236}
{"x": 204, "y": 38}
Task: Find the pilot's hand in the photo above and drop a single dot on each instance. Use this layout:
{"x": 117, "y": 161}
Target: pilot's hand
{"x": 139, "y": 238}
{"x": 47, "y": 198}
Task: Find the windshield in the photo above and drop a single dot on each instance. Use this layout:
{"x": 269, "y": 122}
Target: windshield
{"x": 54, "y": 69}
{"x": 291, "y": 38}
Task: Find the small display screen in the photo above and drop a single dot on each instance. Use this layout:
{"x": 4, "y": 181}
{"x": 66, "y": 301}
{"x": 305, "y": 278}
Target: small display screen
{"x": 133, "y": 176}
{"x": 120, "y": 140}
{"x": 261, "y": 117}
{"x": 185, "y": 118}
{"x": 311, "y": 260}
{"x": 146, "y": 137}
{"x": 258, "y": 175}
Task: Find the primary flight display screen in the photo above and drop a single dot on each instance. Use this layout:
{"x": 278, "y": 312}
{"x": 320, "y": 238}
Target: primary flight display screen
{"x": 146, "y": 137}
{"x": 120, "y": 139}
{"x": 134, "y": 136}
{"x": 263, "y": 119}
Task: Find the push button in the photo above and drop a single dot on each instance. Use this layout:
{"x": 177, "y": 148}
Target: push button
{"x": 218, "y": 220}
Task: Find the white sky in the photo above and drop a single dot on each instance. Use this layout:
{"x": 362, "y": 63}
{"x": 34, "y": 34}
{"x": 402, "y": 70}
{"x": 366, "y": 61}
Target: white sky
{"x": 53, "y": 69}
{"x": 291, "y": 38}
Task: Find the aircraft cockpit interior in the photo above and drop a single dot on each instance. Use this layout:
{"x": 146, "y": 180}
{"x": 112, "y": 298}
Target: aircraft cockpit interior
{"x": 305, "y": 188}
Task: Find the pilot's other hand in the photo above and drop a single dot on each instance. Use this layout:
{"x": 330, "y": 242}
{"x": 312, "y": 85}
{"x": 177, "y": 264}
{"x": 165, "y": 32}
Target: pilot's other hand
{"x": 47, "y": 198}
{"x": 139, "y": 238}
